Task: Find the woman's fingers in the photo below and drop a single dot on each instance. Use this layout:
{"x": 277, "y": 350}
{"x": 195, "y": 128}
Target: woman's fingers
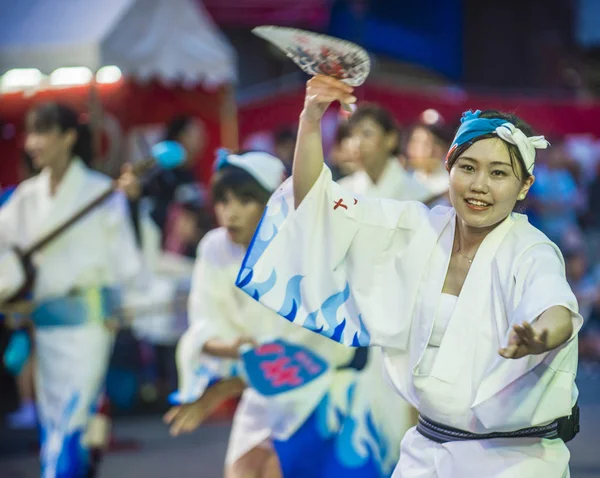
{"x": 170, "y": 415}
{"x": 529, "y": 330}
{"x": 543, "y": 338}
{"x": 331, "y": 82}
{"x": 328, "y": 95}
{"x": 178, "y": 424}
{"x": 339, "y": 91}
{"x": 508, "y": 352}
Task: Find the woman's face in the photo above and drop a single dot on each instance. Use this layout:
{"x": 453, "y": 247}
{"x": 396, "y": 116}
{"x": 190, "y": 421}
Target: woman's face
{"x": 240, "y": 216}
{"x": 419, "y": 148}
{"x": 193, "y": 139}
{"x": 373, "y": 143}
{"x": 483, "y": 186}
{"x": 345, "y": 156}
{"x": 50, "y": 148}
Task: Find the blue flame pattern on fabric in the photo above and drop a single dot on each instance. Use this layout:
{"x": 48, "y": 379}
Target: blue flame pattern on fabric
{"x": 293, "y": 298}
{"x": 257, "y": 289}
{"x": 340, "y": 304}
{"x": 63, "y": 453}
{"x": 354, "y": 450}
{"x": 292, "y": 304}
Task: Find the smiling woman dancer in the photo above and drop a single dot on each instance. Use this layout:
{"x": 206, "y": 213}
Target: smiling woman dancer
{"x": 470, "y": 303}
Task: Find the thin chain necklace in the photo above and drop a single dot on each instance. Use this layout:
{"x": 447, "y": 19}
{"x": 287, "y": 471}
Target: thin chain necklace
{"x": 460, "y": 253}
{"x": 467, "y": 258}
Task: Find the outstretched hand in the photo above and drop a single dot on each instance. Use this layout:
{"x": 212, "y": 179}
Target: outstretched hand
{"x": 525, "y": 340}
{"x": 188, "y": 417}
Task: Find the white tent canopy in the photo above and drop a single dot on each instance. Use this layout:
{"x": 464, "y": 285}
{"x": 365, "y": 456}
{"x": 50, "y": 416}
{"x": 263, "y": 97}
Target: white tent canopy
{"x": 172, "y": 40}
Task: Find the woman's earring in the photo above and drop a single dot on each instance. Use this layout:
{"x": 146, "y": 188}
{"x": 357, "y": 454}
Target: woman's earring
{"x": 521, "y": 197}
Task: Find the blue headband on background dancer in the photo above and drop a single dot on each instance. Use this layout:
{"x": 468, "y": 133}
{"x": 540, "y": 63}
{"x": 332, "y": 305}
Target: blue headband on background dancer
{"x": 453, "y": 295}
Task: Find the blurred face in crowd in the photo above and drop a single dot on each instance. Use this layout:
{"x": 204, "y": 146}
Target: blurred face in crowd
{"x": 484, "y": 184}
{"x": 51, "y": 148}
{"x": 345, "y": 156}
{"x": 193, "y": 139}
{"x": 373, "y": 143}
{"x": 424, "y": 151}
{"x": 239, "y": 215}
{"x": 419, "y": 148}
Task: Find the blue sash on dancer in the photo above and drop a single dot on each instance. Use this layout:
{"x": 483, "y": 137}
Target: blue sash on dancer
{"x": 94, "y": 304}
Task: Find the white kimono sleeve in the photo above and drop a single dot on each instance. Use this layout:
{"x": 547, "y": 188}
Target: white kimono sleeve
{"x": 325, "y": 265}
{"x": 209, "y": 308}
{"x": 8, "y": 220}
{"x": 535, "y": 389}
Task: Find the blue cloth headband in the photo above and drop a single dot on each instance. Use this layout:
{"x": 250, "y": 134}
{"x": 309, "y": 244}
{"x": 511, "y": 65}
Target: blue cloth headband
{"x": 472, "y": 126}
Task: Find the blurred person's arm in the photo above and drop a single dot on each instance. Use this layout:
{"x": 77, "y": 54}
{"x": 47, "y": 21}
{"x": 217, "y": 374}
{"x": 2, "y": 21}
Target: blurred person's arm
{"x": 211, "y": 305}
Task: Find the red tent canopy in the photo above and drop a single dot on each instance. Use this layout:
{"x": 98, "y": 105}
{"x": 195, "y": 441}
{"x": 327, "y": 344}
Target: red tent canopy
{"x": 132, "y": 104}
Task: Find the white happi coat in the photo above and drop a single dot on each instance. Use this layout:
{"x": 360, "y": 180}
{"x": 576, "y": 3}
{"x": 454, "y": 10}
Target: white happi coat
{"x": 218, "y": 309}
{"x": 389, "y": 261}
{"x": 98, "y": 251}
{"x": 394, "y": 183}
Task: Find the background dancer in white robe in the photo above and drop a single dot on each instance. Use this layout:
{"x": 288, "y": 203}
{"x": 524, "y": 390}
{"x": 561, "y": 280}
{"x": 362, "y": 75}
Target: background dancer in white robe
{"x": 427, "y": 143}
{"x": 470, "y": 303}
{"x": 75, "y": 275}
{"x": 331, "y": 436}
{"x": 381, "y": 175}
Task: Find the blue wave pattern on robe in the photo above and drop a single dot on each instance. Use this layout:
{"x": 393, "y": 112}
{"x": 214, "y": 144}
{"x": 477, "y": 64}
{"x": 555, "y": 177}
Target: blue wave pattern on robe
{"x": 349, "y": 445}
{"x": 63, "y": 453}
{"x": 339, "y": 303}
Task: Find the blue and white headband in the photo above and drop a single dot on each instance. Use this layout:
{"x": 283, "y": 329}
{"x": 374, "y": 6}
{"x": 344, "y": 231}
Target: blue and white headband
{"x": 472, "y": 126}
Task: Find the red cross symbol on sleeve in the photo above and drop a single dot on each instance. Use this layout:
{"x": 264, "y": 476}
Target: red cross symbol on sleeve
{"x": 339, "y": 203}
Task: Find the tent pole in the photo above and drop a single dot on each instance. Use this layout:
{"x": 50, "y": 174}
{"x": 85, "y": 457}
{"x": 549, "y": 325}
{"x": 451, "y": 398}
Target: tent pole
{"x": 95, "y": 123}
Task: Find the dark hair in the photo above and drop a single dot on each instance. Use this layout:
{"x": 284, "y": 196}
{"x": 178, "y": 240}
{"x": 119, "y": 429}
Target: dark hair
{"x": 177, "y": 126}
{"x": 285, "y": 135}
{"x": 440, "y": 132}
{"x": 379, "y": 115}
{"x": 516, "y": 159}
{"x": 47, "y": 116}
{"x": 240, "y": 183}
